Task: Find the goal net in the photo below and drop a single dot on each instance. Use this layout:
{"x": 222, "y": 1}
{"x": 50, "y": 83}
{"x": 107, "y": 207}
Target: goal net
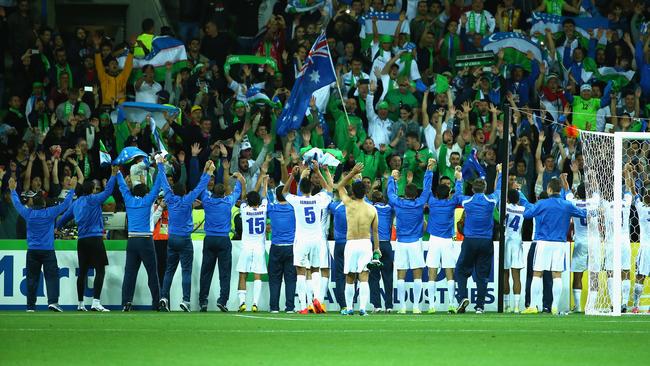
{"x": 614, "y": 180}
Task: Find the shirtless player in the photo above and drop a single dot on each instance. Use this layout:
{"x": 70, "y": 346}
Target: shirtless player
{"x": 361, "y": 218}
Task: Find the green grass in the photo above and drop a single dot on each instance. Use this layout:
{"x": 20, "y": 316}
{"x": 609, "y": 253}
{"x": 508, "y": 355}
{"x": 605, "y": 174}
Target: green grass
{"x": 146, "y": 338}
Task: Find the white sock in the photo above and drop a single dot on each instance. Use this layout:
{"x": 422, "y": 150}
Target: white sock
{"x": 506, "y": 301}
{"x": 557, "y": 292}
{"x": 431, "y": 290}
{"x": 536, "y": 292}
{"x": 577, "y": 292}
{"x": 324, "y": 287}
{"x": 96, "y": 302}
{"x": 451, "y": 292}
{"x": 610, "y": 287}
{"x": 242, "y": 296}
{"x": 417, "y": 293}
{"x": 309, "y": 291}
{"x": 401, "y": 295}
{"x": 81, "y": 304}
{"x": 349, "y": 296}
{"x": 364, "y": 294}
{"x": 516, "y": 302}
{"x": 301, "y": 290}
{"x": 257, "y": 290}
{"x": 638, "y": 291}
{"x": 315, "y": 285}
{"x": 625, "y": 288}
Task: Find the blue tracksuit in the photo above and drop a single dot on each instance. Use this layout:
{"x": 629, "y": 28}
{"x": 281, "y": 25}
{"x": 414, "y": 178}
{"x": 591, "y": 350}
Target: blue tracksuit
{"x": 138, "y": 209}
{"x": 409, "y": 213}
{"x": 385, "y": 225}
{"x": 87, "y": 212}
{"x": 441, "y": 215}
{"x": 217, "y": 245}
{"x": 283, "y": 232}
{"x": 552, "y": 217}
{"x": 477, "y": 249}
{"x": 218, "y": 212}
{"x": 40, "y": 222}
{"x": 479, "y": 210}
{"x": 180, "y": 208}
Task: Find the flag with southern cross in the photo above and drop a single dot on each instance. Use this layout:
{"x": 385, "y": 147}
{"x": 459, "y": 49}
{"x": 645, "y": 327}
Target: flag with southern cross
{"x": 317, "y": 72}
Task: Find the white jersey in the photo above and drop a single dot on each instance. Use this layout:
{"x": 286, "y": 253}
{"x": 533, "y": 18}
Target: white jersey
{"x": 625, "y": 220}
{"x": 644, "y": 221}
{"x": 580, "y": 231}
{"x": 308, "y": 212}
{"x": 514, "y": 221}
{"x": 325, "y": 223}
{"x": 253, "y": 220}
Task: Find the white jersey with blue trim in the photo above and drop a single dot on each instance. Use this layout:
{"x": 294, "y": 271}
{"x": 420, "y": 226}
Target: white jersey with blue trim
{"x": 625, "y": 220}
{"x": 643, "y": 211}
{"x": 580, "y": 232}
{"x": 253, "y": 220}
{"x": 308, "y": 211}
{"x": 514, "y": 221}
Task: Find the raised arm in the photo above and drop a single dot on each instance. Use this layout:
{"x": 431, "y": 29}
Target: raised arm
{"x": 428, "y": 180}
{"x": 289, "y": 182}
{"x": 208, "y": 172}
{"x": 343, "y": 194}
{"x": 538, "y": 153}
{"x": 22, "y": 210}
{"x": 110, "y": 185}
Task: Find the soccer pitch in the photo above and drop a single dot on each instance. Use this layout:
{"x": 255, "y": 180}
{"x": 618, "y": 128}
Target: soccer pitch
{"x": 146, "y": 338}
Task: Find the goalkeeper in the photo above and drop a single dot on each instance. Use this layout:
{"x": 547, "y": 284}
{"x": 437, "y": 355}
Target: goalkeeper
{"x": 361, "y": 218}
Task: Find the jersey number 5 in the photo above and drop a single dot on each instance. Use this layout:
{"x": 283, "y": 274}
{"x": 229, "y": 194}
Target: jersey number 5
{"x": 256, "y": 225}
{"x": 310, "y": 215}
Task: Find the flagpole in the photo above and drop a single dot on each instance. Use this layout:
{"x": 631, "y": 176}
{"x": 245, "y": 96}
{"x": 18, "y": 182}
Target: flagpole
{"x": 338, "y": 85}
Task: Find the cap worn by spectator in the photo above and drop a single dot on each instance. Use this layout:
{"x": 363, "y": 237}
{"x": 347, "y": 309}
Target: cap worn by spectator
{"x": 585, "y": 87}
{"x": 163, "y": 95}
{"x": 382, "y": 105}
{"x": 196, "y": 108}
{"x": 245, "y": 145}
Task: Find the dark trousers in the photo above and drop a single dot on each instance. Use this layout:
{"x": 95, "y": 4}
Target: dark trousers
{"x": 161, "y": 259}
{"x": 90, "y": 257}
{"x": 179, "y": 249}
{"x": 475, "y": 255}
{"x": 37, "y": 258}
{"x": 339, "y": 276}
{"x": 386, "y": 274}
{"x": 140, "y": 250}
{"x": 281, "y": 266}
{"x": 216, "y": 248}
{"x": 547, "y": 280}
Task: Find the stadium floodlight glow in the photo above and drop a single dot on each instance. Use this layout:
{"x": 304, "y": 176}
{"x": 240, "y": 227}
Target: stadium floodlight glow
{"x": 609, "y": 222}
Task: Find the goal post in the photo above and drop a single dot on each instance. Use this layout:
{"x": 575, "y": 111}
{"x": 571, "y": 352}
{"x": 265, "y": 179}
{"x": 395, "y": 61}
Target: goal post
{"x": 612, "y": 223}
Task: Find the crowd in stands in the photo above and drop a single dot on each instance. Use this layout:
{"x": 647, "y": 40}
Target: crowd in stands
{"x": 403, "y": 97}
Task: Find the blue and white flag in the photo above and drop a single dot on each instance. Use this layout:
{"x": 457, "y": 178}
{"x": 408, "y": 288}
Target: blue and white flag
{"x": 155, "y": 132}
{"x": 317, "y": 72}
{"x": 472, "y": 168}
{"x": 164, "y": 49}
{"x": 129, "y": 153}
{"x": 303, "y": 6}
{"x": 541, "y": 21}
{"x": 322, "y": 157}
{"x": 255, "y": 96}
{"x": 386, "y": 23}
{"x": 138, "y": 112}
{"x": 514, "y": 40}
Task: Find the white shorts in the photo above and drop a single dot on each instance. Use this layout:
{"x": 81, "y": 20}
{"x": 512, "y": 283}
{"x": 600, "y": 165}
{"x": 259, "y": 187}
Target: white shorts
{"x": 441, "y": 253}
{"x": 252, "y": 259}
{"x": 357, "y": 255}
{"x": 579, "y": 257}
{"x": 306, "y": 252}
{"x": 514, "y": 254}
{"x": 409, "y": 255}
{"x": 550, "y": 256}
{"x": 324, "y": 253}
{"x": 626, "y": 256}
{"x": 643, "y": 261}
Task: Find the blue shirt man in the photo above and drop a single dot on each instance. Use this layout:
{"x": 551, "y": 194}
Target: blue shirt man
{"x": 283, "y": 232}
{"x": 40, "y": 244}
{"x": 385, "y": 215}
{"x": 216, "y": 244}
{"x": 179, "y": 244}
{"x": 477, "y": 249}
{"x": 337, "y": 212}
{"x": 139, "y": 246}
{"x": 87, "y": 213}
{"x": 409, "y": 213}
{"x": 552, "y": 217}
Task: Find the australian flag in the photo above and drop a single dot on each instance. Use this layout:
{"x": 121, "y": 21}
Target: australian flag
{"x": 316, "y": 73}
{"x": 472, "y": 168}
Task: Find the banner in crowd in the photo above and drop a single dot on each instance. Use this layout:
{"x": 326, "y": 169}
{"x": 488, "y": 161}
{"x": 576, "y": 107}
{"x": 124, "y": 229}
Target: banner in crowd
{"x": 13, "y": 282}
{"x": 164, "y": 49}
{"x": 248, "y": 60}
{"x": 304, "y": 6}
{"x": 136, "y": 112}
{"x": 515, "y": 46}
{"x": 386, "y": 26}
{"x": 541, "y": 21}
